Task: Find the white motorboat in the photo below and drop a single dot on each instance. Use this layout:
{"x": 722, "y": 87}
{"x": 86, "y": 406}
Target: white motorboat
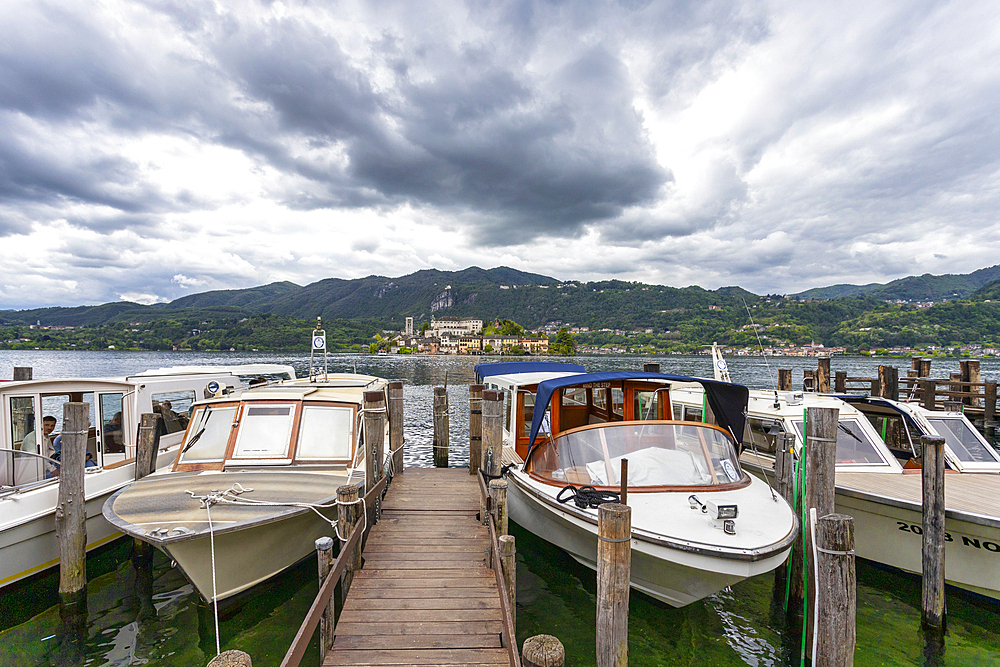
{"x": 880, "y": 485}
{"x": 699, "y": 523}
{"x": 254, "y": 482}
{"x": 29, "y": 481}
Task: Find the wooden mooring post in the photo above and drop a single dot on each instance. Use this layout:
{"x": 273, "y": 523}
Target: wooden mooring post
{"x": 22, "y": 373}
{"x": 990, "y": 407}
{"x": 784, "y": 473}
{"x": 823, "y": 375}
{"x": 651, "y": 367}
{"x": 971, "y": 375}
{"x": 324, "y": 560}
{"x": 820, "y": 487}
{"x": 441, "y": 427}
{"x": 932, "y": 615}
{"x": 348, "y": 514}
{"x": 231, "y": 658}
{"x": 928, "y": 391}
{"x": 475, "y": 426}
{"x": 147, "y": 448}
{"x": 836, "y": 627}
{"x": 543, "y": 651}
{"x": 888, "y": 382}
{"x": 840, "y": 382}
{"x": 498, "y": 500}
{"x": 784, "y": 379}
{"x": 374, "y": 406}
{"x": 508, "y": 561}
{"x": 71, "y": 511}
{"x": 395, "y": 393}
{"x": 614, "y": 566}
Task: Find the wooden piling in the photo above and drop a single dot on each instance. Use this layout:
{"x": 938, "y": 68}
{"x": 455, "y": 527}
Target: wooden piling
{"x": 954, "y": 386}
{"x": 492, "y": 425}
{"x": 808, "y": 379}
{"x": 651, "y": 367}
{"x": 971, "y": 375}
{"x": 915, "y": 365}
{"x": 348, "y": 514}
{"x": 374, "y": 406}
{"x": 543, "y": 651}
{"x": 925, "y": 368}
{"x": 614, "y": 564}
{"x": 836, "y": 629}
{"x": 990, "y": 402}
{"x": 820, "y": 483}
{"x": 840, "y": 382}
{"x": 933, "y": 538}
{"x": 928, "y": 391}
{"x": 823, "y": 375}
{"x": 71, "y": 511}
{"x": 784, "y": 473}
{"x": 475, "y": 426}
{"x": 146, "y": 450}
{"x": 395, "y": 392}
{"x": 508, "y": 561}
{"x": 888, "y": 382}
{"x": 148, "y": 445}
{"x": 441, "y": 427}
{"x": 498, "y": 501}
{"x": 22, "y": 373}
{"x": 784, "y": 379}
{"x": 324, "y": 559}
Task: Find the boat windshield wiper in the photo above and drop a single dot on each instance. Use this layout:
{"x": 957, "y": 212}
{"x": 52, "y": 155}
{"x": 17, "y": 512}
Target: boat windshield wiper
{"x": 194, "y": 439}
{"x": 849, "y": 432}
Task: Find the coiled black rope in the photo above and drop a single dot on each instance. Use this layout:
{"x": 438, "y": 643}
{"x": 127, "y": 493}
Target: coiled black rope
{"x": 587, "y": 496}
{"x": 503, "y": 472}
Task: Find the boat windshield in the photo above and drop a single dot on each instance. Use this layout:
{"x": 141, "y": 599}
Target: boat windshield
{"x": 854, "y": 444}
{"x": 208, "y": 434}
{"x": 964, "y": 441}
{"x": 660, "y": 454}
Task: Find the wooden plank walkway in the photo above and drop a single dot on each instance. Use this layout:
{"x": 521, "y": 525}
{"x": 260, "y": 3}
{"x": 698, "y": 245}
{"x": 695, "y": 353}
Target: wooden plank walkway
{"x": 424, "y": 595}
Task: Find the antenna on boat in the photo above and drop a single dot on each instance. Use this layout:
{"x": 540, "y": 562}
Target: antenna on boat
{"x": 318, "y": 344}
{"x": 774, "y": 382}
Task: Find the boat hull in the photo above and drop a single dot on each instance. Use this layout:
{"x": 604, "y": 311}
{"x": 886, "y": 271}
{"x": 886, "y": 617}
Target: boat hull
{"x": 888, "y": 531}
{"x": 892, "y": 536}
{"x": 673, "y": 576}
{"x": 28, "y": 541}
{"x": 249, "y": 556}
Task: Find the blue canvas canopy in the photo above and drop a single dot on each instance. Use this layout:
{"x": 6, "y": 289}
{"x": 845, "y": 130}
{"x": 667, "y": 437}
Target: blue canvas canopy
{"x": 484, "y": 371}
{"x": 728, "y": 401}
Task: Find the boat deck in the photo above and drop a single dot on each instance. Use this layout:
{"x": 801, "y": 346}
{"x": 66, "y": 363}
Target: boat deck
{"x": 969, "y": 496}
{"x": 424, "y": 595}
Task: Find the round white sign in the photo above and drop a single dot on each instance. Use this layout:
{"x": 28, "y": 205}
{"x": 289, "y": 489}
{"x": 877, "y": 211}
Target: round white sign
{"x": 319, "y": 342}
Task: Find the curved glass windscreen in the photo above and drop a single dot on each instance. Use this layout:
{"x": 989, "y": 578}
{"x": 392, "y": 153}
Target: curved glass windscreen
{"x": 209, "y": 434}
{"x": 964, "y": 442}
{"x": 854, "y": 444}
{"x": 659, "y": 454}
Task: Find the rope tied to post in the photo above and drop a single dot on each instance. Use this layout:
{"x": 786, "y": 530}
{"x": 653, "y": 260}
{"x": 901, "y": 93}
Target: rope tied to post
{"x": 503, "y": 472}
{"x": 587, "y": 496}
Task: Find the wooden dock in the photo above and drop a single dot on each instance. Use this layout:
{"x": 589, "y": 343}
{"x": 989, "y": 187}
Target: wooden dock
{"x": 425, "y": 595}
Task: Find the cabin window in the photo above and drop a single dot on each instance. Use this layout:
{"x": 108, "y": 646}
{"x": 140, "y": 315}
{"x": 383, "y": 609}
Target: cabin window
{"x": 327, "y": 432}
{"x": 19, "y": 469}
{"x": 528, "y": 398}
{"x": 660, "y": 454}
{"x": 208, "y": 435}
{"x": 646, "y": 405}
{"x": 112, "y": 431}
{"x": 174, "y": 408}
{"x": 963, "y": 442}
{"x": 265, "y": 431}
{"x": 575, "y": 396}
{"x": 854, "y": 445}
{"x": 692, "y": 414}
{"x": 618, "y": 403}
{"x": 601, "y": 399}
{"x": 758, "y": 437}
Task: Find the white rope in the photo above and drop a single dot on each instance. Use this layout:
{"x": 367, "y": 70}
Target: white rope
{"x": 364, "y": 515}
{"x": 215, "y": 593}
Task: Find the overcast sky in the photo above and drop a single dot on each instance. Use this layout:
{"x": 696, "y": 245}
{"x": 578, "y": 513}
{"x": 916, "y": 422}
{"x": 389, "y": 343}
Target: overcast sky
{"x": 152, "y": 149}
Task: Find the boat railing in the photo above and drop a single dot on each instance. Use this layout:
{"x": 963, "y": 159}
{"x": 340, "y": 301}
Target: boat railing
{"x": 301, "y": 642}
{"x": 509, "y": 640}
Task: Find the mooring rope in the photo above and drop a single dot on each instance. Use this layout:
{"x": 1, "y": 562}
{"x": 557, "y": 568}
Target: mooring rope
{"x": 587, "y": 496}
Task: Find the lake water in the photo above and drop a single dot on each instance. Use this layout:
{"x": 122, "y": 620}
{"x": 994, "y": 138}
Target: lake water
{"x": 131, "y": 620}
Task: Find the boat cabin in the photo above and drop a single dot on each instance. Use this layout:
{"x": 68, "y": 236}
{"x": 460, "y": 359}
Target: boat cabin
{"x": 900, "y": 425}
{"x": 575, "y": 428}
{"x": 294, "y": 423}
{"x": 33, "y": 411}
